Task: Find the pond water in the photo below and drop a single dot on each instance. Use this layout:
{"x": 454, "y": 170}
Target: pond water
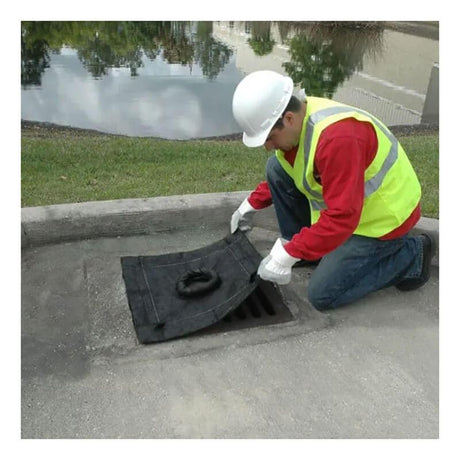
{"x": 176, "y": 80}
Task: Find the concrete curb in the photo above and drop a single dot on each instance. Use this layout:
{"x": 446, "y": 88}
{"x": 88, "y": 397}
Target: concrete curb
{"x": 143, "y": 216}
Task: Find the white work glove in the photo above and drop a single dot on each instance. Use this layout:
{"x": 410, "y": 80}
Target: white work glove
{"x": 242, "y": 217}
{"x": 277, "y": 266}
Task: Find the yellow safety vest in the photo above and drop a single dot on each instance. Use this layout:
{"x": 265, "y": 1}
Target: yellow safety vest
{"x": 392, "y": 190}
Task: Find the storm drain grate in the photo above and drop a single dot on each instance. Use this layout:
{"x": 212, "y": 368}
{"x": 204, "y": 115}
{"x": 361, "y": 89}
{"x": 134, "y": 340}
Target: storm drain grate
{"x": 173, "y": 295}
{"x": 263, "y": 307}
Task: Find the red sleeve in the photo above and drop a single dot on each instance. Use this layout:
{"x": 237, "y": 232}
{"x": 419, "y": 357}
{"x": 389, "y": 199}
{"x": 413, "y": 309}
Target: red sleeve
{"x": 261, "y": 197}
{"x": 343, "y": 153}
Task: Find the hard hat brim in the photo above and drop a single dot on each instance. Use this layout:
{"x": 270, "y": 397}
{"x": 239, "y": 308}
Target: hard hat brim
{"x": 256, "y": 141}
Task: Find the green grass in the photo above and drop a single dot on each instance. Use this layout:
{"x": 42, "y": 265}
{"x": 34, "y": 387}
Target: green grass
{"x": 63, "y": 168}
{"x": 423, "y": 152}
{"x": 60, "y": 170}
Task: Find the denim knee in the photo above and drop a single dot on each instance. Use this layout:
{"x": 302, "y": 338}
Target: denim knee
{"x": 316, "y": 297}
{"x": 322, "y": 292}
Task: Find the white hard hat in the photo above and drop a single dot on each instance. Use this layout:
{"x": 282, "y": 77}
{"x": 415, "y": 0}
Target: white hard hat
{"x": 258, "y": 102}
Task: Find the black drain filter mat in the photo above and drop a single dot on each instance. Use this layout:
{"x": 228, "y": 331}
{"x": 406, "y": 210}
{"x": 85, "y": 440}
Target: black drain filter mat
{"x": 171, "y": 295}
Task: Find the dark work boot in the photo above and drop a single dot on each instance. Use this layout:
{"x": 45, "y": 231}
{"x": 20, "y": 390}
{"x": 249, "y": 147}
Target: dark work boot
{"x": 428, "y": 253}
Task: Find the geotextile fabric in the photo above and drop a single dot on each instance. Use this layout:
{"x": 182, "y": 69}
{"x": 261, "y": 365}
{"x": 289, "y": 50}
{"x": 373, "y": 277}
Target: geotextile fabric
{"x": 174, "y": 294}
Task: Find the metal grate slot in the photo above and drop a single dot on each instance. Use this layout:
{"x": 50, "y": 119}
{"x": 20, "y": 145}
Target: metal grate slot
{"x": 254, "y": 306}
{"x": 240, "y": 312}
{"x": 266, "y": 303}
{"x": 263, "y": 307}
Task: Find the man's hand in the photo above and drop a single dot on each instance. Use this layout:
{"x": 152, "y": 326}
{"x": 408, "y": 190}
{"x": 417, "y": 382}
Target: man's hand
{"x": 277, "y": 266}
{"x": 242, "y": 217}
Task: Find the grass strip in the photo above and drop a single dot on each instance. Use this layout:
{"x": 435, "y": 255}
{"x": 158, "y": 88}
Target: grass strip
{"x": 70, "y": 168}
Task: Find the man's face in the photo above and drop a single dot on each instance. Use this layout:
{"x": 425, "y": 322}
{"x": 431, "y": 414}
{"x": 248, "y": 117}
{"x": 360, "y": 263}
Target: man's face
{"x": 285, "y": 138}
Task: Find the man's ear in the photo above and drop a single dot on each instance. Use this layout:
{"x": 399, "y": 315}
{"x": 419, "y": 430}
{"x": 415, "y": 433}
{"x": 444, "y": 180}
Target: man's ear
{"x": 289, "y": 117}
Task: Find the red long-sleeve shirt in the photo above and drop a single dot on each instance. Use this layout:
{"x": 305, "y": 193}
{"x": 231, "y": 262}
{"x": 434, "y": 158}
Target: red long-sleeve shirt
{"x": 345, "y": 149}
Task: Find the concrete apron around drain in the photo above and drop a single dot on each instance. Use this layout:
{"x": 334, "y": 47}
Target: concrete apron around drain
{"x": 75, "y": 312}
{"x": 112, "y": 332}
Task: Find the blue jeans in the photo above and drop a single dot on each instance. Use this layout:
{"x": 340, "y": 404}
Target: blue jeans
{"x": 356, "y": 268}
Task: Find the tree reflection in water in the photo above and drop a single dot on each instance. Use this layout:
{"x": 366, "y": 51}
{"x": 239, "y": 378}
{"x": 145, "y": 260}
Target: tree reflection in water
{"x": 104, "y": 45}
{"x": 322, "y": 55}
{"x": 329, "y": 53}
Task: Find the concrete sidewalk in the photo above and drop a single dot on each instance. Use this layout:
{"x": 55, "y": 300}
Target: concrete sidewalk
{"x": 369, "y": 370}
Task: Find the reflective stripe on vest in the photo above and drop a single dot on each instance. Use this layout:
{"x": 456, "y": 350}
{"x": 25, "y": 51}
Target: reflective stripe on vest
{"x": 391, "y": 188}
{"x": 370, "y": 185}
